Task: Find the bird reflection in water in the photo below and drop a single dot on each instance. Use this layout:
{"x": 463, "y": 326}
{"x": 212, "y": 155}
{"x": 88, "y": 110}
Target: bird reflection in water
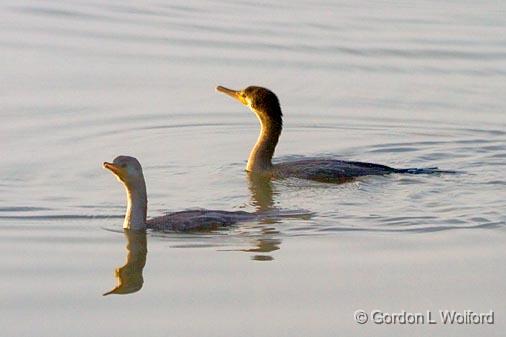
{"x": 129, "y": 277}
{"x": 262, "y": 193}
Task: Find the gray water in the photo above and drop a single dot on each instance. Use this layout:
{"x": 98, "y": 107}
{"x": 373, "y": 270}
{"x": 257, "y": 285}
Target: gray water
{"x": 407, "y": 84}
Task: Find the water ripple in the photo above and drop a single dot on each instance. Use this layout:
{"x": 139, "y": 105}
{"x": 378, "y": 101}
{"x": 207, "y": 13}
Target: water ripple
{"x": 408, "y": 87}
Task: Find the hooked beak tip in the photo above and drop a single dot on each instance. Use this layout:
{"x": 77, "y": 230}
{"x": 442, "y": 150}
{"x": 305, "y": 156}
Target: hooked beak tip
{"x": 223, "y": 90}
{"x": 111, "y": 167}
{"x": 235, "y": 94}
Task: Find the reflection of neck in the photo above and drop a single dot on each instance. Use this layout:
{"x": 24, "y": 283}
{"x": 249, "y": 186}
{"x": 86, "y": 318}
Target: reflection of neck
{"x": 129, "y": 277}
{"x": 260, "y": 157}
{"x": 137, "y": 250}
{"x": 261, "y": 191}
{"x": 137, "y": 204}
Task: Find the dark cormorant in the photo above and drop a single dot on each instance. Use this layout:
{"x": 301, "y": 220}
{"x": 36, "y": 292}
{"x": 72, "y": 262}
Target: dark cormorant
{"x": 265, "y": 104}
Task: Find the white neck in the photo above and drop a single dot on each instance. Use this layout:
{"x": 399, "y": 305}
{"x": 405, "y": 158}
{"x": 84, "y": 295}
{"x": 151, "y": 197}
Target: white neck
{"x": 137, "y": 204}
{"x": 260, "y": 157}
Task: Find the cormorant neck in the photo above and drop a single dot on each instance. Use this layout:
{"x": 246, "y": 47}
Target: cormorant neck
{"x": 260, "y": 157}
{"x": 137, "y": 205}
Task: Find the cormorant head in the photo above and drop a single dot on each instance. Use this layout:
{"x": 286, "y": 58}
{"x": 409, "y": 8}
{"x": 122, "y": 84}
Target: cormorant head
{"x": 263, "y": 102}
{"x": 127, "y": 169}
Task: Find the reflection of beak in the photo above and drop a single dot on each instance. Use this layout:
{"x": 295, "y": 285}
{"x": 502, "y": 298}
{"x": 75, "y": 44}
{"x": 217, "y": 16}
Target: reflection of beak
{"x": 114, "y": 169}
{"x": 109, "y": 292}
{"x": 235, "y": 94}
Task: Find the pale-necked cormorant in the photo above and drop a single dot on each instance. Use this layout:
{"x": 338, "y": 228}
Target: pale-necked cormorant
{"x": 128, "y": 170}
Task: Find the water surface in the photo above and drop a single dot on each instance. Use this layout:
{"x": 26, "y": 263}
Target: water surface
{"x": 415, "y": 84}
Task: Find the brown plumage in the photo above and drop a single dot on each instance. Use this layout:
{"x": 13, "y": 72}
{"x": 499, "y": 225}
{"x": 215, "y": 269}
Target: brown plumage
{"x": 264, "y": 103}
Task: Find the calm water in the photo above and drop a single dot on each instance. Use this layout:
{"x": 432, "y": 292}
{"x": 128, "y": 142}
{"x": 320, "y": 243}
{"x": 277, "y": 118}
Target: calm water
{"x": 408, "y": 84}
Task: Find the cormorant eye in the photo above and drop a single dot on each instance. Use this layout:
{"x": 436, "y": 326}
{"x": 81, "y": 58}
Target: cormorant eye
{"x": 123, "y": 165}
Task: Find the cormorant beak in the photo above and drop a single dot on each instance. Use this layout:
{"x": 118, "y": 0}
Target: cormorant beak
{"x": 235, "y": 94}
{"x": 118, "y": 171}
